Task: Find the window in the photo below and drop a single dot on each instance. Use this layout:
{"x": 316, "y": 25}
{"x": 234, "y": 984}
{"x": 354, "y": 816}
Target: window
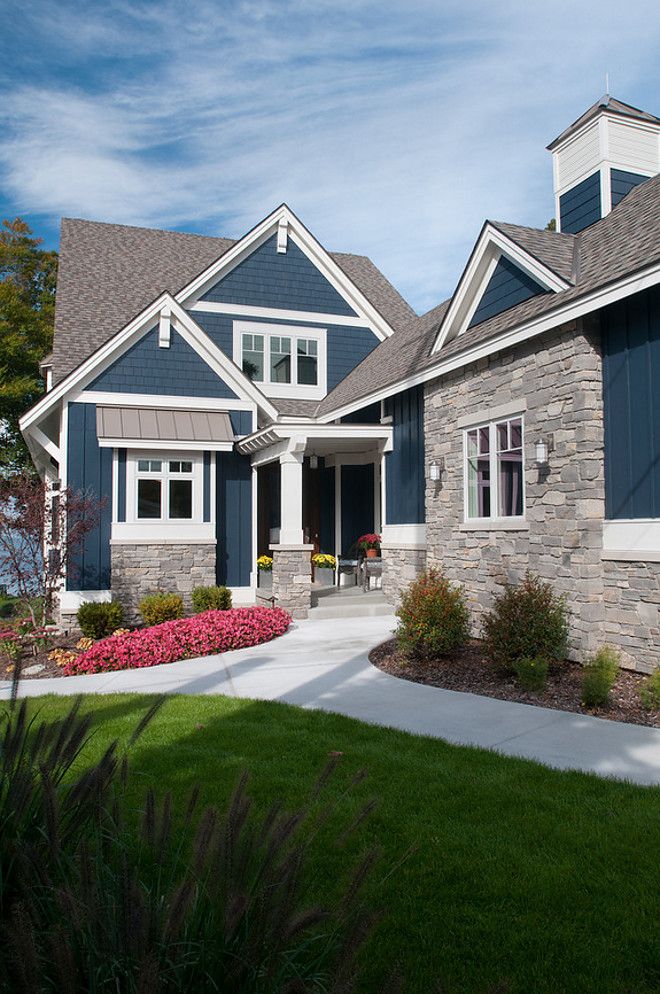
{"x": 494, "y": 470}
{"x": 164, "y": 490}
{"x": 284, "y": 360}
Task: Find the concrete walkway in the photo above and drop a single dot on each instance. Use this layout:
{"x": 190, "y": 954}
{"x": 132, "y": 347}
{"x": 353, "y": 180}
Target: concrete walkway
{"x": 324, "y": 664}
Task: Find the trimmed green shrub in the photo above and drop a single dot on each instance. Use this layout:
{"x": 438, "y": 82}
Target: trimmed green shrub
{"x": 433, "y": 617}
{"x": 531, "y": 674}
{"x": 650, "y": 691}
{"x": 97, "y": 621}
{"x": 528, "y": 621}
{"x": 600, "y": 673}
{"x": 155, "y": 608}
{"x": 211, "y": 599}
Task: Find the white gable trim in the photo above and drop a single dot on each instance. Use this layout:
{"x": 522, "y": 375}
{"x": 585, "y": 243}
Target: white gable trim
{"x": 80, "y": 378}
{"x": 491, "y": 245}
{"x": 521, "y": 333}
{"x": 298, "y": 233}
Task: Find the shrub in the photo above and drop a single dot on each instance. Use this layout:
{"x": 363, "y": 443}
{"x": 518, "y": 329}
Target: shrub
{"x": 183, "y": 638}
{"x": 433, "y": 617}
{"x": 650, "y": 691}
{"x": 98, "y": 620}
{"x": 156, "y": 608}
{"x": 527, "y": 622}
{"x": 600, "y": 673}
{"x": 531, "y": 674}
{"x": 211, "y": 599}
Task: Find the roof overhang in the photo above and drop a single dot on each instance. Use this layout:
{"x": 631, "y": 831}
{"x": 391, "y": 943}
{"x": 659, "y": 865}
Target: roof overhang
{"x": 319, "y": 439}
{"x": 491, "y": 245}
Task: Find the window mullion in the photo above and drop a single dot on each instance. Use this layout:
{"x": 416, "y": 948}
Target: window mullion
{"x": 494, "y": 482}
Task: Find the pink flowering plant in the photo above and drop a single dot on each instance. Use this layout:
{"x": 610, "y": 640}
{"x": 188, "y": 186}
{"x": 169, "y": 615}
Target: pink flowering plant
{"x": 185, "y": 638}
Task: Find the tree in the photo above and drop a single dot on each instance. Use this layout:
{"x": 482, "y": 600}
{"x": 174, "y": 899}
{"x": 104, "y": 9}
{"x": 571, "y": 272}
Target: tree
{"x": 41, "y": 534}
{"x": 27, "y": 310}
{"x": 551, "y": 225}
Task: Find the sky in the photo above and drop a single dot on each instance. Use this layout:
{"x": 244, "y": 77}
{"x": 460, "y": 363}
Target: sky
{"x": 392, "y": 129}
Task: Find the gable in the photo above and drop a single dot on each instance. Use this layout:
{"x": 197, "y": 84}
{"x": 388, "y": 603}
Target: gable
{"x": 509, "y": 285}
{"x": 177, "y": 371}
{"x": 284, "y": 280}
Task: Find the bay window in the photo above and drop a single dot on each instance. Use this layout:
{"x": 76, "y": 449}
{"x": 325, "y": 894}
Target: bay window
{"x": 494, "y": 468}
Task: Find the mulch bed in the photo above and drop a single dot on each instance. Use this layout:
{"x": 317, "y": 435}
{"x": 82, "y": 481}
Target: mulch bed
{"x": 470, "y": 671}
{"x": 50, "y": 667}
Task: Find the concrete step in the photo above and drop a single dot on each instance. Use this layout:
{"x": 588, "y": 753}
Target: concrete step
{"x": 350, "y": 603}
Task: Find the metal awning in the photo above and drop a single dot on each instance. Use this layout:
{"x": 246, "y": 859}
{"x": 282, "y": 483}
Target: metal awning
{"x": 161, "y": 425}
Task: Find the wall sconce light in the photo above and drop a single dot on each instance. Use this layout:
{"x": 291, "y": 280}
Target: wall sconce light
{"x": 435, "y": 469}
{"x": 542, "y": 448}
{"x": 313, "y": 462}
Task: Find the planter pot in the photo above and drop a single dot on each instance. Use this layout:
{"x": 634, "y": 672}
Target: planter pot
{"x": 265, "y": 581}
{"x": 372, "y": 553}
{"x": 324, "y": 577}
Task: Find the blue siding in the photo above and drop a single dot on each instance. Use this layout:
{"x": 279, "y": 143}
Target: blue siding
{"x": 623, "y": 182}
{"x": 357, "y": 504}
{"x": 89, "y": 468}
{"x": 268, "y": 278}
{"x": 177, "y": 371}
{"x": 631, "y": 394}
{"x": 207, "y": 486}
{"x": 580, "y": 207}
{"x": 241, "y": 422}
{"x": 347, "y": 346}
{"x": 508, "y": 286}
{"x": 369, "y": 415}
{"x": 121, "y": 484}
{"x": 404, "y": 467}
{"x": 233, "y": 508}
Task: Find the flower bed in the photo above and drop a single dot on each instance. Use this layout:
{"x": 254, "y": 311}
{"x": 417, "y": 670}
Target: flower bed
{"x": 186, "y": 638}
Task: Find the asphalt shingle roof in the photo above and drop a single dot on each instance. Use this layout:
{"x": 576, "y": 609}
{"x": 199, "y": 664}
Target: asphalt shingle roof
{"x": 610, "y": 104}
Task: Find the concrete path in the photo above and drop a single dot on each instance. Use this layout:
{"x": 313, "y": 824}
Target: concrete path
{"x": 324, "y": 664}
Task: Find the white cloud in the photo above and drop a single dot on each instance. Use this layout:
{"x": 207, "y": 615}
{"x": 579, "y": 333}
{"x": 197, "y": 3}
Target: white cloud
{"x": 391, "y": 129}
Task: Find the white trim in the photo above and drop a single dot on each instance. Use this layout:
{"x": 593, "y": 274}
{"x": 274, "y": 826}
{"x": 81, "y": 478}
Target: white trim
{"x": 143, "y": 400}
{"x": 635, "y": 537}
{"x": 164, "y": 329}
{"x": 394, "y": 536}
{"x": 47, "y": 444}
{"x": 166, "y": 444}
{"x": 278, "y": 314}
{"x": 71, "y": 600}
{"x": 630, "y": 556}
{"x": 314, "y": 251}
{"x": 282, "y": 233}
{"x": 520, "y": 333}
{"x": 492, "y": 414}
{"x": 134, "y": 537}
{"x": 268, "y": 332}
{"x": 255, "y": 530}
{"x": 494, "y": 525}
{"x": 491, "y": 245}
{"x": 495, "y": 522}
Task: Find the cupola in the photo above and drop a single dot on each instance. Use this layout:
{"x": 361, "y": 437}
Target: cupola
{"x": 596, "y": 161}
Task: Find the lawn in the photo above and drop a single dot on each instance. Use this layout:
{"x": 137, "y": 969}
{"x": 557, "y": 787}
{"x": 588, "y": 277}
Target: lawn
{"x": 547, "y": 880}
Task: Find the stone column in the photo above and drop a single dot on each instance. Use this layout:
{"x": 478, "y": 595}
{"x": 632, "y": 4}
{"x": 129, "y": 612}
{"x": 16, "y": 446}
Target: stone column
{"x": 292, "y": 578}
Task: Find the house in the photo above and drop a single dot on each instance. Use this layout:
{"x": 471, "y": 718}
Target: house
{"x": 231, "y": 398}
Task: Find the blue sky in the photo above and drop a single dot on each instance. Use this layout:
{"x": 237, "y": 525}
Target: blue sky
{"x": 392, "y": 129}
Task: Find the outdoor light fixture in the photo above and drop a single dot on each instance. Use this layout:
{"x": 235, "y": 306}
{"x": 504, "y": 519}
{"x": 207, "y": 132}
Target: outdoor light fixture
{"x": 435, "y": 470}
{"x": 541, "y": 452}
{"x": 313, "y": 462}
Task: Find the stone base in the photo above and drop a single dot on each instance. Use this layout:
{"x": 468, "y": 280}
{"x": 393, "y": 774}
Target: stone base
{"x": 292, "y": 578}
{"x": 138, "y": 570}
{"x": 401, "y": 566}
{"x": 632, "y": 612}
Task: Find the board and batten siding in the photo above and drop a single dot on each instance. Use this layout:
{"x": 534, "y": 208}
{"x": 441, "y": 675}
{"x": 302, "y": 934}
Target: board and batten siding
{"x": 233, "y": 515}
{"x": 404, "y": 465}
{"x": 508, "y": 286}
{"x": 631, "y": 394}
{"x": 89, "y": 469}
{"x": 580, "y": 206}
{"x": 177, "y": 371}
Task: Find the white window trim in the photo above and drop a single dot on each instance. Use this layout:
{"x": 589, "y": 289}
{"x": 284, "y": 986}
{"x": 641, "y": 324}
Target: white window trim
{"x": 494, "y": 521}
{"x": 294, "y": 332}
{"x": 164, "y": 529}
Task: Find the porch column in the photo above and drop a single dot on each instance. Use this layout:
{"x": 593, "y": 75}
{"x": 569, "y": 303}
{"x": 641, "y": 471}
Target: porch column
{"x": 292, "y": 567}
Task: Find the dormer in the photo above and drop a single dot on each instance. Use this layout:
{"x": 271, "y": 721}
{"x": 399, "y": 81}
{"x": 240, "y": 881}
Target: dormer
{"x": 596, "y": 161}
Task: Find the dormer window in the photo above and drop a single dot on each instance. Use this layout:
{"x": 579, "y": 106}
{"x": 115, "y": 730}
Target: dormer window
{"x": 282, "y": 360}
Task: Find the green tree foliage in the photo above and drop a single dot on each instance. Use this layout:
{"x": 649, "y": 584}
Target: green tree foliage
{"x": 27, "y": 309}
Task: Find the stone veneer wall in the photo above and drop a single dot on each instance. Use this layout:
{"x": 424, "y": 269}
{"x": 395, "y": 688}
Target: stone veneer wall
{"x": 401, "y": 565}
{"x": 632, "y": 612}
{"x": 558, "y": 379}
{"x": 292, "y": 579}
{"x": 138, "y": 570}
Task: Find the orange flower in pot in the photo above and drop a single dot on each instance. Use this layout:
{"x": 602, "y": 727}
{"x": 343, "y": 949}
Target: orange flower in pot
{"x": 370, "y": 545}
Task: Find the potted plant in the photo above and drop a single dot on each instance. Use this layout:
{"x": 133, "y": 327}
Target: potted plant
{"x": 265, "y": 572}
{"x": 324, "y": 569}
{"x": 369, "y": 545}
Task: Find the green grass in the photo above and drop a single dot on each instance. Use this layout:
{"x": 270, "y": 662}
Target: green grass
{"x": 547, "y": 880}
